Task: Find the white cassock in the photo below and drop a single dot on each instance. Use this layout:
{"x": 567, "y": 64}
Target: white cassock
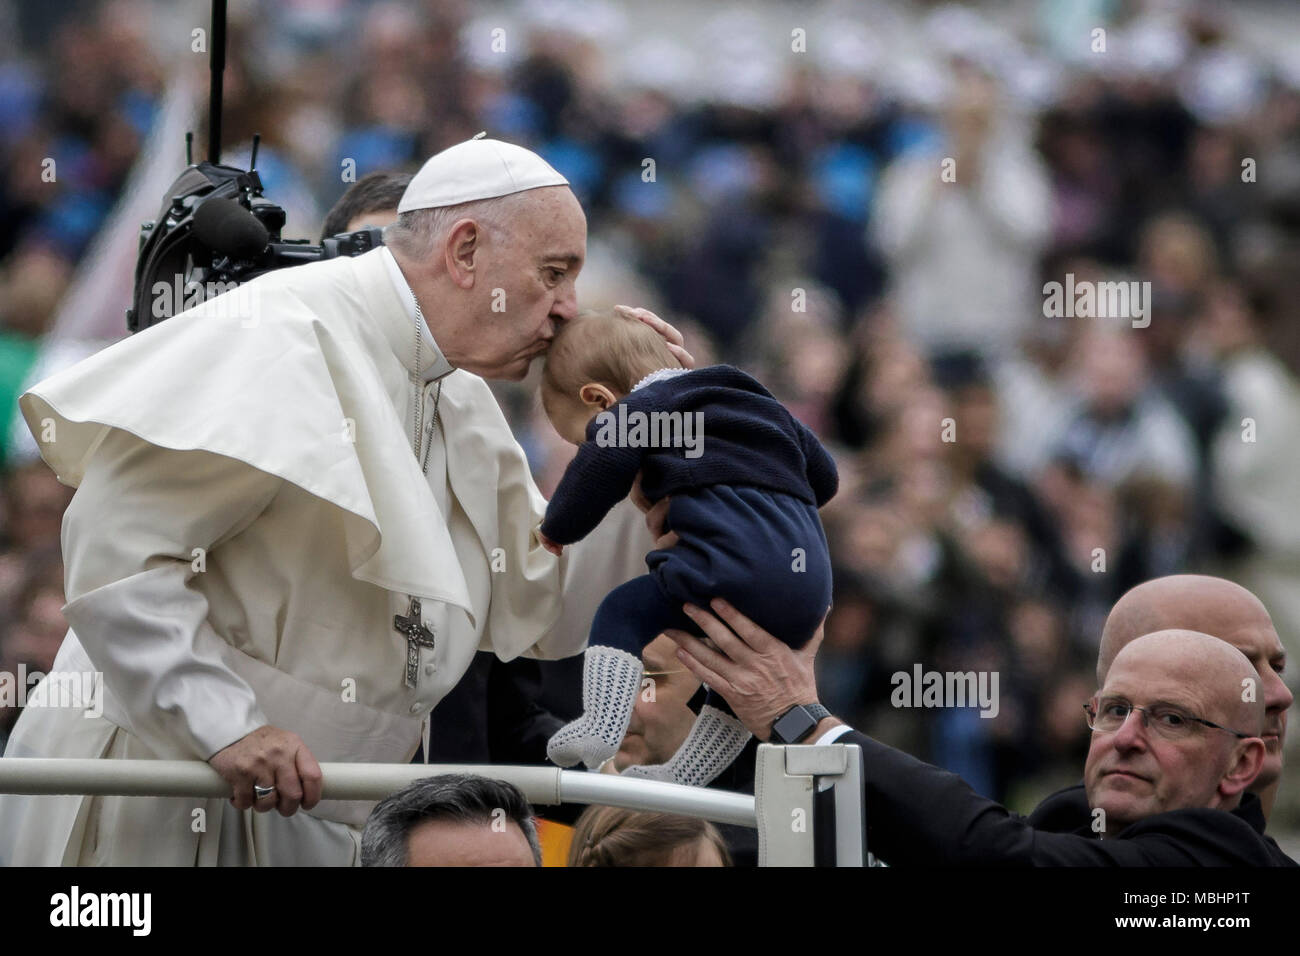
{"x": 250, "y": 517}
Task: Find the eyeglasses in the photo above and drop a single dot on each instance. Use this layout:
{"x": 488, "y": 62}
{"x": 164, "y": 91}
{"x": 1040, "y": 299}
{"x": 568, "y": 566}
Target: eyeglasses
{"x": 1105, "y": 715}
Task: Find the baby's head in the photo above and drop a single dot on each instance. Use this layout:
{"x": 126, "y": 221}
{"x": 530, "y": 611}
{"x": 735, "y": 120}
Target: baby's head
{"x": 593, "y": 362}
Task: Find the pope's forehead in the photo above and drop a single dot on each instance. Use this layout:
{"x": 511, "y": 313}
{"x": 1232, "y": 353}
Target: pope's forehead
{"x": 552, "y": 218}
{"x": 551, "y": 201}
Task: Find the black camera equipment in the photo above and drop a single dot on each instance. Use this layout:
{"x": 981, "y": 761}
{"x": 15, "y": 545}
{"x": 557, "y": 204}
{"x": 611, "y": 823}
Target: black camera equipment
{"x": 216, "y": 229}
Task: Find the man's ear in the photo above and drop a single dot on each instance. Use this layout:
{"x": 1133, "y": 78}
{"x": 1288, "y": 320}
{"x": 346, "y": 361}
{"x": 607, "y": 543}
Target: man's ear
{"x": 596, "y": 396}
{"x": 460, "y": 252}
{"x": 1243, "y": 769}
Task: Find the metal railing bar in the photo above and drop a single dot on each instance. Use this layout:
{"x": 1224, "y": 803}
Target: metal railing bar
{"x": 369, "y": 781}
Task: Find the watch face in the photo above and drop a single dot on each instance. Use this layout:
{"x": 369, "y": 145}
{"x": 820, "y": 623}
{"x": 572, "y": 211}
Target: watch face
{"x": 793, "y": 726}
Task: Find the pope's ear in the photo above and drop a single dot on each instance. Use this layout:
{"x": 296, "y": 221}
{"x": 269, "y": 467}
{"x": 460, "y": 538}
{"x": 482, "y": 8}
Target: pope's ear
{"x": 460, "y": 252}
{"x": 597, "y": 396}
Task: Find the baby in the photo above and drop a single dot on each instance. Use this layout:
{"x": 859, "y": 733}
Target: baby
{"x": 745, "y": 480}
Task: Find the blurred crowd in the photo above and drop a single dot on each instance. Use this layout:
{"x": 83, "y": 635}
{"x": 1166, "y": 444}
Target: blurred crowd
{"x": 866, "y": 224}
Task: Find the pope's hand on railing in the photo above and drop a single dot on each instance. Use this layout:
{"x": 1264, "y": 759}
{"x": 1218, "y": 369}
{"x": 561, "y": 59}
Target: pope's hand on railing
{"x": 269, "y": 757}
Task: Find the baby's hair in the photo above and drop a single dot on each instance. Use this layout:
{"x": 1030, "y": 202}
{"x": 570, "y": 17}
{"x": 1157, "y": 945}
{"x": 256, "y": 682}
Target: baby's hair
{"x": 614, "y": 836}
{"x": 605, "y": 348}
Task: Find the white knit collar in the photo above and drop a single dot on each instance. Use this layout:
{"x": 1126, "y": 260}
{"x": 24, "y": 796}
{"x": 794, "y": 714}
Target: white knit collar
{"x": 659, "y": 376}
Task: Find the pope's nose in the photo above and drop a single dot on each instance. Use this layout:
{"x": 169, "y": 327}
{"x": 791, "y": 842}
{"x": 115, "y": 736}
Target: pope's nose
{"x": 565, "y": 308}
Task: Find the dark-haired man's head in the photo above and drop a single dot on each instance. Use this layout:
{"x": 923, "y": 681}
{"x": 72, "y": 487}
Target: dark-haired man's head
{"x": 452, "y": 820}
{"x": 370, "y": 201}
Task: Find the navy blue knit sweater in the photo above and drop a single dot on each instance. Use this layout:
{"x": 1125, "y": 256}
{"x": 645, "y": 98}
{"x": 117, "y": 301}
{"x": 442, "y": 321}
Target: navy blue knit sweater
{"x": 749, "y": 439}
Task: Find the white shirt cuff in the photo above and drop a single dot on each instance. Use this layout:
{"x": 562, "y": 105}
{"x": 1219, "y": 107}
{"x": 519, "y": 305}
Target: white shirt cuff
{"x": 834, "y": 734}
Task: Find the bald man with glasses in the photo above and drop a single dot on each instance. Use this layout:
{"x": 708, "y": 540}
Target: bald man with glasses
{"x": 1194, "y": 740}
{"x": 1176, "y": 740}
{"x": 1229, "y": 612}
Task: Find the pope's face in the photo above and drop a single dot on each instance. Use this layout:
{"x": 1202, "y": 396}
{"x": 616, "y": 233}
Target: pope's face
{"x": 529, "y": 285}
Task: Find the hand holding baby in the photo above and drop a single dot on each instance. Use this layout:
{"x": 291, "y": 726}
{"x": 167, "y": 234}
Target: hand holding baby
{"x": 549, "y": 545}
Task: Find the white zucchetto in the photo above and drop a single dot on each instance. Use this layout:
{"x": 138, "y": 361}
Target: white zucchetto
{"x": 477, "y": 169}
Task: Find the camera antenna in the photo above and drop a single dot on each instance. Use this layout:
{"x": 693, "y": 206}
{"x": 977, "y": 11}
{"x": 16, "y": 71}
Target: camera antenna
{"x": 217, "y": 67}
{"x": 189, "y": 147}
{"x": 252, "y": 159}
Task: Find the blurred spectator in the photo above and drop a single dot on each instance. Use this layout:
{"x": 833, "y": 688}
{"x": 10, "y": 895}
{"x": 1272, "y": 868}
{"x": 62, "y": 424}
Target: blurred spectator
{"x": 961, "y": 250}
{"x": 371, "y": 201}
{"x": 1257, "y": 458}
{"x": 1124, "y": 430}
{"x": 30, "y": 285}
{"x": 32, "y": 627}
{"x": 614, "y": 836}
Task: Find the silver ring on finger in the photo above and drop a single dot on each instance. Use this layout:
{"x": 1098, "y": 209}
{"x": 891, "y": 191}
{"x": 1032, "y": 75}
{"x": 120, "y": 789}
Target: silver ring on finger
{"x": 260, "y": 792}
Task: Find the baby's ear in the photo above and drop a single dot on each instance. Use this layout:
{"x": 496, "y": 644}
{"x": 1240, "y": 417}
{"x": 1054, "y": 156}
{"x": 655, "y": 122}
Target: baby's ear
{"x": 598, "y": 395}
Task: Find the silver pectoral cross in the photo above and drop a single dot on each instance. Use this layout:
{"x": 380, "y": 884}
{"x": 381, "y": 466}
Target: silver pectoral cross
{"x": 417, "y": 636}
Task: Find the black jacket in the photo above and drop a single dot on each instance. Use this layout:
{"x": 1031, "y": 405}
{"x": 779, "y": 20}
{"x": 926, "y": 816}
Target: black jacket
{"x": 1067, "y": 810}
{"x": 919, "y": 815}
{"x": 492, "y": 716}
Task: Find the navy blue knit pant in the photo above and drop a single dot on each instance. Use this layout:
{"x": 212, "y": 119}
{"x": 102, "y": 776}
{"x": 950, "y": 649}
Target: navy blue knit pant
{"x": 762, "y": 551}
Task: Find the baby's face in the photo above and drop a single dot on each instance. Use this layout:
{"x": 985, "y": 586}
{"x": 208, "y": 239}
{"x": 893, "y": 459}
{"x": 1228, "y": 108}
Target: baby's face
{"x": 570, "y": 418}
{"x": 571, "y": 415}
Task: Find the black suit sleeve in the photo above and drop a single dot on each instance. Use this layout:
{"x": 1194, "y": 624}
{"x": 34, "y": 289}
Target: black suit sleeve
{"x": 919, "y": 815}
{"x": 1063, "y": 811}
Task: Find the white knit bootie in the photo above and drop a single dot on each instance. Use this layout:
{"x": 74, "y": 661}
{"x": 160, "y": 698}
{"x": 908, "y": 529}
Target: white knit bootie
{"x": 610, "y": 681}
{"x": 716, "y": 739}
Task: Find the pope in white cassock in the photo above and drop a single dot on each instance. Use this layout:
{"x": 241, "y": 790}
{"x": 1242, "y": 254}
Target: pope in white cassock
{"x": 297, "y": 519}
